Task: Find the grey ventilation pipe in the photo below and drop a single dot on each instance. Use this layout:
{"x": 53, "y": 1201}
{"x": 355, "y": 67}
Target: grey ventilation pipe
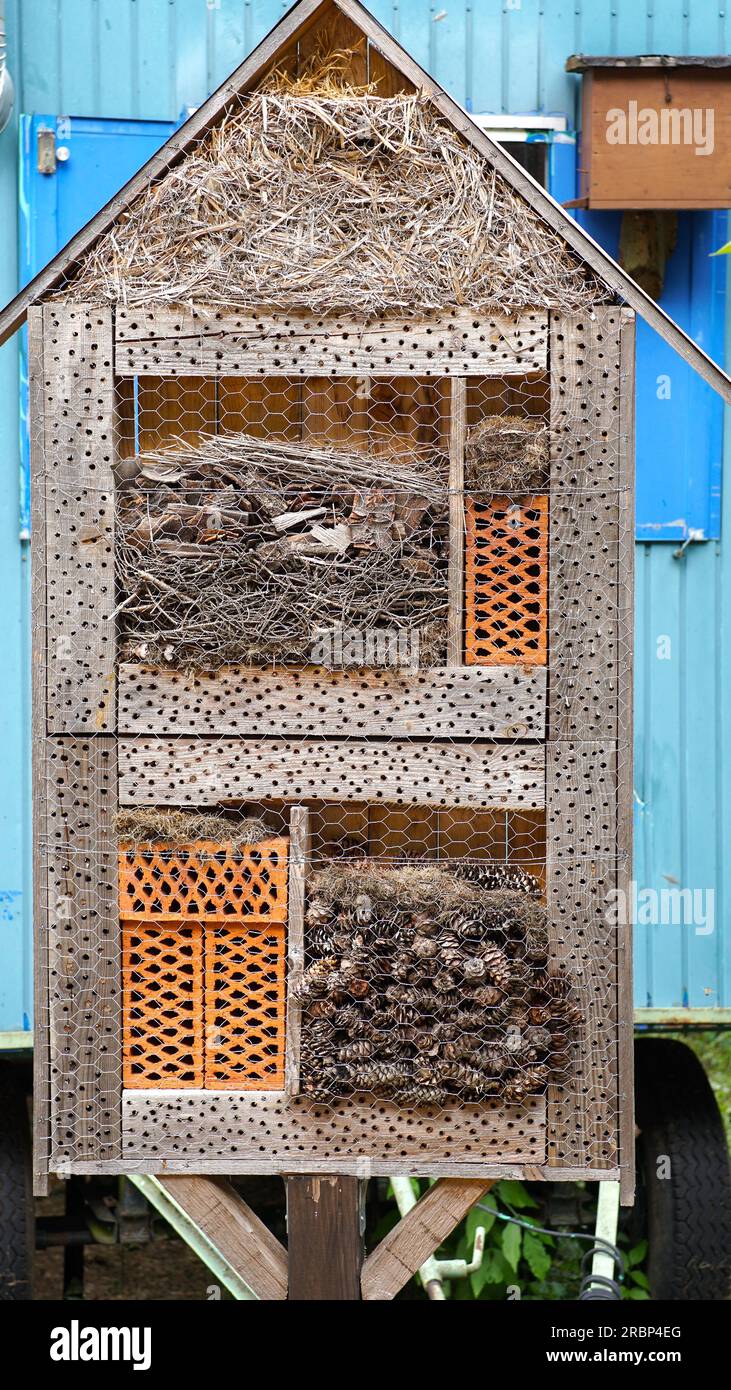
{"x": 7, "y": 93}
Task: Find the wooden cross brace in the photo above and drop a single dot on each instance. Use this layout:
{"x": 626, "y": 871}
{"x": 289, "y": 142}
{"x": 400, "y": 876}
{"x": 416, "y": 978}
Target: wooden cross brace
{"x": 325, "y": 1259}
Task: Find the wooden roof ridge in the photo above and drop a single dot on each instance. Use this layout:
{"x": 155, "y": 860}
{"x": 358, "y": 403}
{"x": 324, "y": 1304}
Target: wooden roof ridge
{"x": 292, "y": 26}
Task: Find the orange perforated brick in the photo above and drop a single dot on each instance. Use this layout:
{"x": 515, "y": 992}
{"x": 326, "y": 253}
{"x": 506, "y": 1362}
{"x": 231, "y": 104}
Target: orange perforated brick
{"x": 205, "y": 880}
{"x": 162, "y": 983}
{"x": 506, "y": 580}
{"x": 204, "y": 944}
{"x": 245, "y": 1007}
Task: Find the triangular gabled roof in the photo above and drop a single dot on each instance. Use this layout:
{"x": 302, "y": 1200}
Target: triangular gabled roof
{"x": 292, "y": 27}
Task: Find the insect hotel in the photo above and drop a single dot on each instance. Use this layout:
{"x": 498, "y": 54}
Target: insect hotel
{"x": 332, "y": 573}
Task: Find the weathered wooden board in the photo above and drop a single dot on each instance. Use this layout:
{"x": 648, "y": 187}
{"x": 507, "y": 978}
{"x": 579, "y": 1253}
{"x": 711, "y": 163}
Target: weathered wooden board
{"x": 201, "y": 772}
{"x": 235, "y": 1231}
{"x": 299, "y": 858}
{"x": 78, "y": 861}
{"x": 625, "y": 791}
{"x": 584, "y": 549}
{"x": 267, "y": 1132}
{"x": 79, "y": 481}
{"x": 496, "y": 702}
{"x": 325, "y": 1237}
{"x": 41, "y": 1075}
{"x": 457, "y": 437}
{"x": 581, "y": 878}
{"x": 170, "y": 342}
{"x": 414, "y": 1238}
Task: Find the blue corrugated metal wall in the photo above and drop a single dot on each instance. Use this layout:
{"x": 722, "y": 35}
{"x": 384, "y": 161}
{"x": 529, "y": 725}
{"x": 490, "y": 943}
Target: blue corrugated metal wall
{"x": 153, "y": 58}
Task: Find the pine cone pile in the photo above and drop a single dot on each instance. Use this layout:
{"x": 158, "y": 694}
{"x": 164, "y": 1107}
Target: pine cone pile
{"x": 427, "y": 985}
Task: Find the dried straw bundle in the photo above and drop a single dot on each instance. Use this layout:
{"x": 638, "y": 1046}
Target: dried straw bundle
{"x": 149, "y": 826}
{"x": 240, "y": 549}
{"x": 507, "y": 453}
{"x": 326, "y": 198}
{"x": 427, "y": 988}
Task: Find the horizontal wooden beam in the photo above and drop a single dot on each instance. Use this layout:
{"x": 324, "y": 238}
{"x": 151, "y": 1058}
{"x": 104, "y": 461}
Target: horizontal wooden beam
{"x": 247, "y": 1167}
{"x": 181, "y": 342}
{"x": 203, "y": 772}
{"x": 268, "y": 1132}
{"x": 496, "y": 702}
{"x": 234, "y": 1229}
{"x": 416, "y": 1236}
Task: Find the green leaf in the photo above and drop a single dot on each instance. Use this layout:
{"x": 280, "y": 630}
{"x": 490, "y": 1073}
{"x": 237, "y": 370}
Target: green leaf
{"x": 479, "y": 1279}
{"x": 638, "y": 1277}
{"x": 637, "y": 1254}
{"x": 512, "y": 1241}
{"x": 497, "y": 1270}
{"x": 637, "y": 1293}
{"x": 536, "y": 1255}
{"x": 509, "y": 1190}
{"x": 476, "y": 1218}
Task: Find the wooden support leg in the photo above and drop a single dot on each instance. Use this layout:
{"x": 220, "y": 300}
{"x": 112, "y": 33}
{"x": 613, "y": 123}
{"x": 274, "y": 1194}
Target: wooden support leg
{"x": 325, "y": 1238}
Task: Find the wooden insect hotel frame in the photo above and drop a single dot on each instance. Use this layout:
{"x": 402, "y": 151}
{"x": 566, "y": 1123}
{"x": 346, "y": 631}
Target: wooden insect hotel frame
{"x": 332, "y": 605}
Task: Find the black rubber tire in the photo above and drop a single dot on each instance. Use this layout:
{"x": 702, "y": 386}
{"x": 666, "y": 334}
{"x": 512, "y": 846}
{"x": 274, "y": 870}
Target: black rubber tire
{"x": 688, "y": 1213}
{"x": 17, "y": 1221}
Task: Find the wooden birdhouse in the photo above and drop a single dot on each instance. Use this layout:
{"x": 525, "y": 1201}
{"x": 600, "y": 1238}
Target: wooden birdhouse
{"x": 331, "y": 414}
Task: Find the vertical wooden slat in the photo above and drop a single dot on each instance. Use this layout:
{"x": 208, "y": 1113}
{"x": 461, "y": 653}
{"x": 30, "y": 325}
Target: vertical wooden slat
{"x": 457, "y": 430}
{"x": 79, "y": 455}
{"x": 624, "y": 755}
{"x": 299, "y": 857}
{"x": 41, "y": 1080}
{"x": 80, "y": 853}
{"x": 587, "y": 653}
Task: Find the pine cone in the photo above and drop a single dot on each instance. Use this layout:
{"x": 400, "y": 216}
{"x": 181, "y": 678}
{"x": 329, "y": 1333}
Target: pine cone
{"x": 357, "y": 1051}
{"x": 474, "y": 968}
{"x": 422, "y": 1095}
{"x": 425, "y": 947}
{"x": 322, "y": 1008}
{"x": 498, "y": 965}
{"x": 507, "y": 877}
{"x": 318, "y": 914}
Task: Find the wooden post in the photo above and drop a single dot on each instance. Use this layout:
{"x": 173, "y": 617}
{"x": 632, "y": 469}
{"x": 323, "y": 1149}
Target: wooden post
{"x": 457, "y": 432}
{"x": 325, "y": 1238}
{"x": 299, "y": 855}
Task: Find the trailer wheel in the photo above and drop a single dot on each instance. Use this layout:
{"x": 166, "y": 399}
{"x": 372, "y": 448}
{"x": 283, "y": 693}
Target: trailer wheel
{"x": 683, "y": 1172}
{"x": 17, "y": 1222}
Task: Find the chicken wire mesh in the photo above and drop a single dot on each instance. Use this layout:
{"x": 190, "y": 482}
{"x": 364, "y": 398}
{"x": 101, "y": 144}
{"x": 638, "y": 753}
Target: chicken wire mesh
{"x": 349, "y": 585}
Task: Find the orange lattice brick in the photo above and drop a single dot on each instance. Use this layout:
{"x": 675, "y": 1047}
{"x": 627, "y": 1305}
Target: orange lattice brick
{"x": 162, "y": 991}
{"x": 245, "y": 989}
{"x": 209, "y": 881}
{"x": 506, "y": 580}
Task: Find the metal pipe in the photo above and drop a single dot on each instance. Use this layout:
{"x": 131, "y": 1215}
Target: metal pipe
{"x": 430, "y": 1273}
{"x": 7, "y": 91}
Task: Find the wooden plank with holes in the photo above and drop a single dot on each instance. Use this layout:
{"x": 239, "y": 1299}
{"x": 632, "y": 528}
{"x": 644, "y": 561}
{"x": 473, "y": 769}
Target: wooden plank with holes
{"x": 584, "y": 566}
{"x": 497, "y": 702}
{"x": 457, "y": 437}
{"x": 625, "y": 794}
{"x": 325, "y": 1237}
{"x": 416, "y": 1236}
{"x": 79, "y": 862}
{"x": 175, "y": 342}
{"x": 299, "y": 857}
{"x": 270, "y": 1132}
{"x": 41, "y": 1076}
{"x": 581, "y": 877}
{"x": 79, "y": 483}
{"x": 203, "y": 772}
{"x": 234, "y": 1229}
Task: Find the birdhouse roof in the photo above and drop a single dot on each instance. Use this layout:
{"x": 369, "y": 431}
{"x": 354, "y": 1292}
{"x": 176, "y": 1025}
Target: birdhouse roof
{"x": 543, "y": 218}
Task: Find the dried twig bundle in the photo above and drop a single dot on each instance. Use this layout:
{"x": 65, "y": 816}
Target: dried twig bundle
{"x": 239, "y": 549}
{"x": 313, "y": 196}
{"x": 426, "y": 987}
{"x": 507, "y": 453}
